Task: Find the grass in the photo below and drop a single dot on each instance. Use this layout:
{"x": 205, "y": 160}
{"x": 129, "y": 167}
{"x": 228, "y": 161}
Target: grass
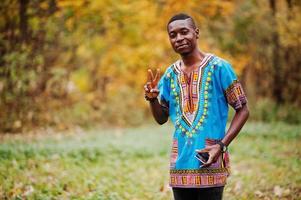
{"x": 132, "y": 163}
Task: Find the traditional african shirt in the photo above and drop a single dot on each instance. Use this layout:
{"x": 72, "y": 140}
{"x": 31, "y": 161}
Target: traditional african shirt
{"x": 198, "y": 108}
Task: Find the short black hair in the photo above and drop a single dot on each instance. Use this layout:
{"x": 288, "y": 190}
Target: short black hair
{"x": 181, "y": 16}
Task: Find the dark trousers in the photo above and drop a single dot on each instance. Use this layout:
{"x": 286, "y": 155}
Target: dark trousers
{"x": 214, "y": 193}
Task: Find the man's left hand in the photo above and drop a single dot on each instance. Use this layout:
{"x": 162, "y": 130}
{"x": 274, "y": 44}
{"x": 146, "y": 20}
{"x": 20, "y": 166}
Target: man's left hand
{"x": 214, "y": 152}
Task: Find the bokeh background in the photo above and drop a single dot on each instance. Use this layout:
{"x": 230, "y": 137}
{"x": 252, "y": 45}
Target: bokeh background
{"x": 69, "y": 65}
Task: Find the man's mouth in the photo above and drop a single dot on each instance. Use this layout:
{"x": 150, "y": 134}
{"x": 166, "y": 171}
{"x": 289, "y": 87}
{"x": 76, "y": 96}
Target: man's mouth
{"x": 182, "y": 46}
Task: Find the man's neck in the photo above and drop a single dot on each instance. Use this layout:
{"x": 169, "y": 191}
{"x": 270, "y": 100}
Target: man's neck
{"x": 192, "y": 59}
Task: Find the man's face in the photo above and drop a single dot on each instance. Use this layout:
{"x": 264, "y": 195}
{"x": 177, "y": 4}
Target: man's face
{"x": 183, "y": 36}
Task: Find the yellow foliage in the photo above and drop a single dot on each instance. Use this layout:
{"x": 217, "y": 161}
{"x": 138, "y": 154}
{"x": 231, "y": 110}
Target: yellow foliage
{"x": 70, "y": 3}
{"x": 81, "y": 79}
{"x": 289, "y": 28}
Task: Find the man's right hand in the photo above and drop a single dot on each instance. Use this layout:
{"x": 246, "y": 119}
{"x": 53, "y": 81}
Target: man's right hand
{"x": 160, "y": 112}
{"x": 151, "y": 87}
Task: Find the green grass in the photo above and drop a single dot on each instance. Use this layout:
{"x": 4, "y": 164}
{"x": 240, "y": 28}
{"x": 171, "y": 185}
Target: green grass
{"x": 133, "y": 164}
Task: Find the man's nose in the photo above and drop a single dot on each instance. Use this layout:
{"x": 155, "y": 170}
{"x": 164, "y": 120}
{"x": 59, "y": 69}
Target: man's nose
{"x": 179, "y": 38}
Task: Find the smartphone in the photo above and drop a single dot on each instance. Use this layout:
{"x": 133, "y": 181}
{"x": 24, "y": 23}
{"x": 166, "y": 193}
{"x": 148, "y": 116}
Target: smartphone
{"x": 202, "y": 157}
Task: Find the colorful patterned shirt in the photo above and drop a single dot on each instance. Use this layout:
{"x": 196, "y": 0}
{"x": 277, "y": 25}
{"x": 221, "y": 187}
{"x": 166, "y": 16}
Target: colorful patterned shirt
{"x": 198, "y": 108}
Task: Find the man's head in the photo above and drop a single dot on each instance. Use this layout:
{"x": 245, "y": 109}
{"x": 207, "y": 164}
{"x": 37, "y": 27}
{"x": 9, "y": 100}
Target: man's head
{"x": 183, "y": 33}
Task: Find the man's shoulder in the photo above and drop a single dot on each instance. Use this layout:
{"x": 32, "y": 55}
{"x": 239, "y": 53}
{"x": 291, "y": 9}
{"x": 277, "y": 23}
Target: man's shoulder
{"x": 171, "y": 68}
{"x": 219, "y": 62}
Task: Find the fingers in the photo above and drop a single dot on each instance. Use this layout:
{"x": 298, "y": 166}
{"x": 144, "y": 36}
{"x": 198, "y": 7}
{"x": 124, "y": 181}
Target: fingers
{"x": 202, "y": 150}
{"x": 214, "y": 153}
{"x": 149, "y": 85}
{"x": 153, "y": 79}
{"x": 157, "y": 76}
{"x": 150, "y": 75}
{"x": 154, "y": 90}
{"x": 149, "y": 91}
{"x": 209, "y": 162}
{"x": 146, "y": 89}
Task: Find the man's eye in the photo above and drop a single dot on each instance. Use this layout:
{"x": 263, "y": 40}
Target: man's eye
{"x": 184, "y": 32}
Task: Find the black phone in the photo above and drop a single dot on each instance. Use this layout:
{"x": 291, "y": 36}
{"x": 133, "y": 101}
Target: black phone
{"x": 202, "y": 157}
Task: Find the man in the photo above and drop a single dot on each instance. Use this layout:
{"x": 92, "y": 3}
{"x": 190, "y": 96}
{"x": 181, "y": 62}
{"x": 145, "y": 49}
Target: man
{"x": 195, "y": 92}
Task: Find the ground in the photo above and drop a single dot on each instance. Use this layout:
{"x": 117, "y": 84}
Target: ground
{"x": 132, "y": 163}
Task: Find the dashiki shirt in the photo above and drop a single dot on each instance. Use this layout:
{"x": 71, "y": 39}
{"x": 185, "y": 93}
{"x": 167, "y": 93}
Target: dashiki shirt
{"x": 198, "y": 108}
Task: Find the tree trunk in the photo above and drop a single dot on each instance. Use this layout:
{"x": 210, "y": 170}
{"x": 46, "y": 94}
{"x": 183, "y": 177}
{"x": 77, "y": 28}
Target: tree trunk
{"x": 52, "y": 7}
{"x": 276, "y": 65}
{"x": 23, "y": 19}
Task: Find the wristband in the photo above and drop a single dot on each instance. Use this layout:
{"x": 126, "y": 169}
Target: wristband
{"x": 223, "y": 147}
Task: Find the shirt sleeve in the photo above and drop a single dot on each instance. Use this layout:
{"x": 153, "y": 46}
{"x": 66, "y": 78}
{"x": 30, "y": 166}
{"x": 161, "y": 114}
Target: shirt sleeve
{"x": 231, "y": 86}
{"x": 164, "y": 89}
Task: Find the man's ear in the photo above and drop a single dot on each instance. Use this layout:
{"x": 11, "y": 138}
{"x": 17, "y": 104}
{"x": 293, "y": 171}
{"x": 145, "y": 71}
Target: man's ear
{"x": 197, "y": 32}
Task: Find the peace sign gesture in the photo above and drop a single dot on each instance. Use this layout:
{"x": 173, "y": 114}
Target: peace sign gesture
{"x": 151, "y": 87}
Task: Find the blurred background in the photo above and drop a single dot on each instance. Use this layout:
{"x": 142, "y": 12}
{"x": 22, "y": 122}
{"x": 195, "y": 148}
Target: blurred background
{"x": 71, "y": 81}
{"x": 84, "y": 62}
